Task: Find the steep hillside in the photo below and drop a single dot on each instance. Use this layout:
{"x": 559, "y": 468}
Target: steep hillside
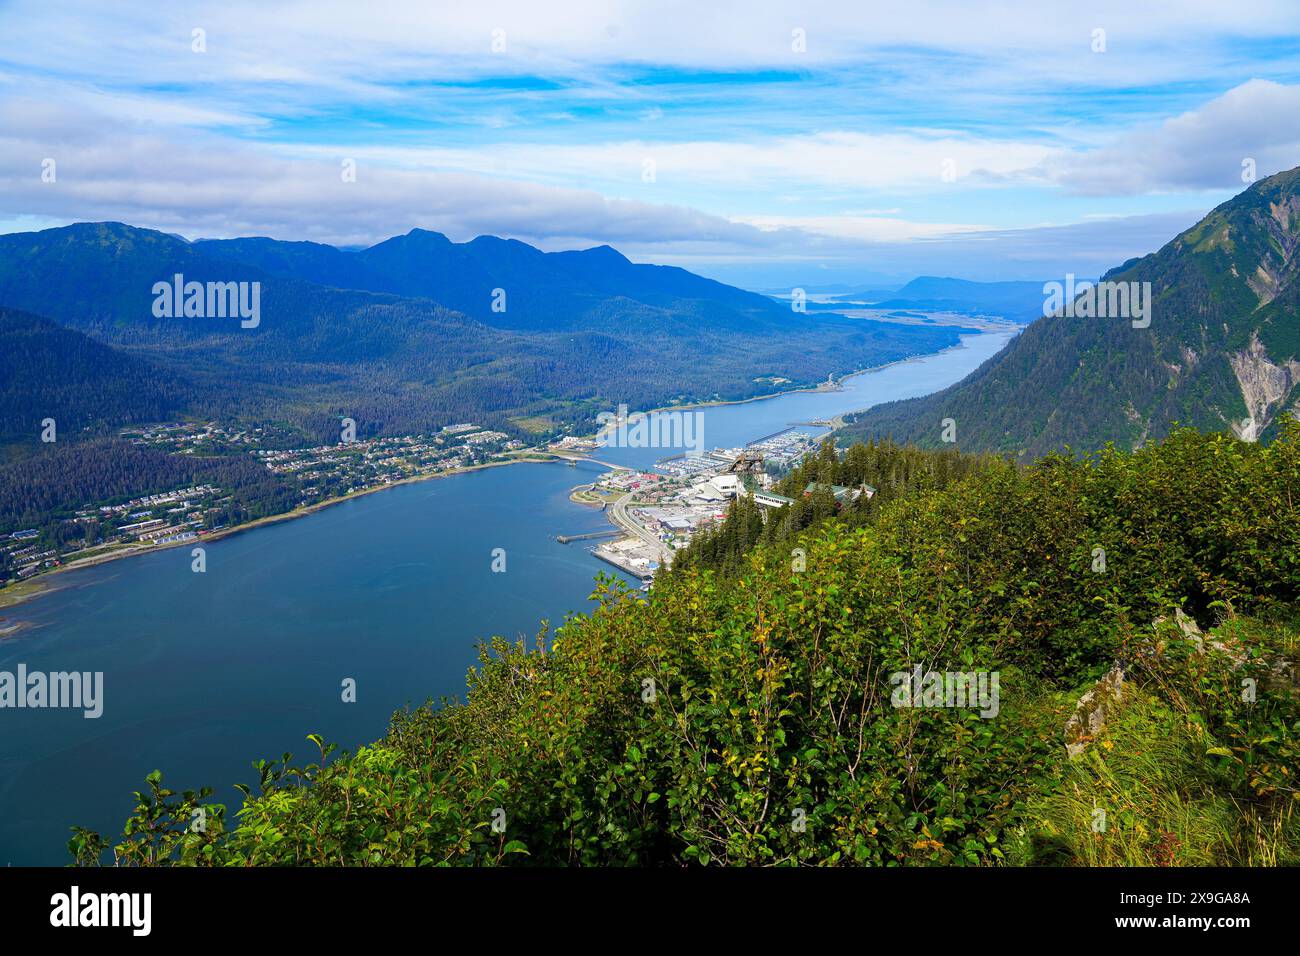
{"x": 1222, "y": 349}
{"x": 51, "y": 372}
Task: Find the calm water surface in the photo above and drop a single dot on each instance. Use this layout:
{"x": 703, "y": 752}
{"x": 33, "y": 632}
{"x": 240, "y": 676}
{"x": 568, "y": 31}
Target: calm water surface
{"x": 205, "y": 672}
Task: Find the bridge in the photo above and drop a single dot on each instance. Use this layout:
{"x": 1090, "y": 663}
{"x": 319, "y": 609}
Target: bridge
{"x": 595, "y": 461}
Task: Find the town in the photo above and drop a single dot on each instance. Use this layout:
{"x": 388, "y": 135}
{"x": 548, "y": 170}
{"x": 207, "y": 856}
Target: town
{"x": 660, "y": 511}
{"x": 653, "y": 513}
{"x": 98, "y": 530}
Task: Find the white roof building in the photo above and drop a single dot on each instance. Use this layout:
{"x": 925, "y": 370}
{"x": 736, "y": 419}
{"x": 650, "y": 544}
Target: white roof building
{"x": 706, "y": 491}
{"x": 727, "y": 485}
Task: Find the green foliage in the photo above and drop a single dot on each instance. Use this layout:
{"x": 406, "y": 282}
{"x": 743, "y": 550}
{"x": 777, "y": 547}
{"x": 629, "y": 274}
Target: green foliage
{"x": 51, "y": 372}
{"x": 42, "y": 490}
{"x": 891, "y": 470}
{"x": 746, "y": 718}
{"x": 1192, "y": 771}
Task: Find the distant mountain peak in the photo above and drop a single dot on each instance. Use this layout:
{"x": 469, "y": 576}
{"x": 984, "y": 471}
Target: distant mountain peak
{"x": 406, "y": 333}
{"x": 605, "y": 251}
{"x": 419, "y": 235}
{"x": 585, "y": 289}
{"x": 1222, "y": 351}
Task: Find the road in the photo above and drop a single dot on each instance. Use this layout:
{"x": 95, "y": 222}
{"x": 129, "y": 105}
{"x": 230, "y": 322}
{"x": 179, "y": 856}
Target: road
{"x": 618, "y": 514}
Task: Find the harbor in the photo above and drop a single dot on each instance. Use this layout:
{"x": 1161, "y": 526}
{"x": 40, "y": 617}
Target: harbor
{"x": 660, "y": 510}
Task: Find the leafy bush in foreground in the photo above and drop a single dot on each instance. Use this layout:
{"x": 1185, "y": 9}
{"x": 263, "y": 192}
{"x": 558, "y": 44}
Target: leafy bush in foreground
{"x": 747, "y": 718}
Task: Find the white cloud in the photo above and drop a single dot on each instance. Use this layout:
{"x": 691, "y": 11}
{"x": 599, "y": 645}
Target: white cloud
{"x": 208, "y": 185}
{"x": 324, "y": 42}
{"x": 841, "y": 159}
{"x": 1199, "y": 150}
{"x": 1085, "y": 249}
{"x": 865, "y": 228}
{"x": 247, "y": 137}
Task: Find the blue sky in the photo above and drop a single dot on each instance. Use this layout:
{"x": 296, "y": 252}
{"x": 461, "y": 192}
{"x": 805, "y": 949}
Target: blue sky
{"x": 769, "y": 144}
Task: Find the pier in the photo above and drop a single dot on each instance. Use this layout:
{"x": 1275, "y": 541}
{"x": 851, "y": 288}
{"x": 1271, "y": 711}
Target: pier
{"x": 641, "y": 574}
{"x": 608, "y": 533}
{"x": 782, "y": 431}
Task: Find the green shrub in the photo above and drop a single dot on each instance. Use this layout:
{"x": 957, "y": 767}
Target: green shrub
{"x": 745, "y": 718}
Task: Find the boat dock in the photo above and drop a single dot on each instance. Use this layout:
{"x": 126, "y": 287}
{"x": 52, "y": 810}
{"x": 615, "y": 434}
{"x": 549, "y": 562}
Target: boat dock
{"x": 624, "y": 565}
{"x": 607, "y": 533}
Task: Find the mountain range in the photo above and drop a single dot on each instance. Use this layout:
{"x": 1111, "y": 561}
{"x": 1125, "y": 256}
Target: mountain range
{"x": 1018, "y": 301}
{"x": 419, "y": 331}
{"x": 1220, "y": 349}
{"x": 545, "y": 290}
{"x": 407, "y": 335}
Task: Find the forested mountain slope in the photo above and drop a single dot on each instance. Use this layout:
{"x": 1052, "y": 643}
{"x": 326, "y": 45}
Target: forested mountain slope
{"x": 888, "y": 470}
{"x": 543, "y": 291}
{"x": 48, "y": 372}
{"x": 397, "y": 363}
{"x": 1222, "y": 349}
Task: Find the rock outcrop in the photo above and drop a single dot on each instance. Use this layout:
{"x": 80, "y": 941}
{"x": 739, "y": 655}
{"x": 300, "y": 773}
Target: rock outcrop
{"x": 1093, "y": 710}
{"x": 1263, "y": 385}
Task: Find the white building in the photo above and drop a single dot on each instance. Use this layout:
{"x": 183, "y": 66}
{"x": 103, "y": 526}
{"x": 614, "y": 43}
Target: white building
{"x": 727, "y": 485}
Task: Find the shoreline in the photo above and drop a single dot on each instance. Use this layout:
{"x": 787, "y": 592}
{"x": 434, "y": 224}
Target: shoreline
{"x": 47, "y": 583}
{"x": 835, "y": 422}
{"x": 834, "y": 385}
{"x": 41, "y": 585}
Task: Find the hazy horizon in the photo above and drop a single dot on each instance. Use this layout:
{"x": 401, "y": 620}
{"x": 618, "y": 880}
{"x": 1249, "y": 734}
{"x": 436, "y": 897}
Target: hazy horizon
{"x": 759, "y": 146}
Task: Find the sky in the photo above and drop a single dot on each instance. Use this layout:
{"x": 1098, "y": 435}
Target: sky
{"x": 766, "y": 144}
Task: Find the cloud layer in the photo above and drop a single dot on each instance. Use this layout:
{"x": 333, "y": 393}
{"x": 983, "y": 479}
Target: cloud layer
{"x": 958, "y": 141}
